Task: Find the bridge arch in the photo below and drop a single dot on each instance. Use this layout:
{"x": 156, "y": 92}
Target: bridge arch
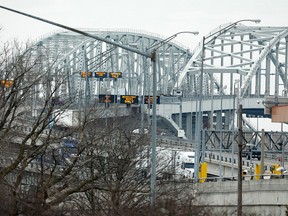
{"x": 76, "y": 53}
{"x": 255, "y": 57}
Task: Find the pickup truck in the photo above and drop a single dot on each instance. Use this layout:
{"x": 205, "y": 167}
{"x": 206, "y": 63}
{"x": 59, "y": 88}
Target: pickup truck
{"x": 255, "y": 153}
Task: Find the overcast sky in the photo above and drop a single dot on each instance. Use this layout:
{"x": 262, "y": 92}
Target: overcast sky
{"x": 164, "y": 17}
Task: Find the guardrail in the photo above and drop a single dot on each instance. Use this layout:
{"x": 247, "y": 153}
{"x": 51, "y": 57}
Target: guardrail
{"x": 175, "y": 143}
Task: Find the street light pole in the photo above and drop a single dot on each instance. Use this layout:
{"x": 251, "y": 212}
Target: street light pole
{"x": 221, "y": 132}
{"x": 199, "y": 114}
{"x": 233, "y": 126}
{"x": 153, "y": 57}
{"x": 200, "y": 121}
{"x": 258, "y": 102}
{"x": 180, "y": 111}
{"x": 282, "y": 147}
{"x": 154, "y": 135}
{"x": 221, "y": 140}
{"x": 228, "y": 27}
{"x": 200, "y": 95}
{"x": 240, "y": 134}
{"x": 239, "y": 178}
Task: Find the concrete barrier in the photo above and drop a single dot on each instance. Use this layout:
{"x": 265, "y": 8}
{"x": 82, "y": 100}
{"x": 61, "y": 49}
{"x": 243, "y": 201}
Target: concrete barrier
{"x": 263, "y": 197}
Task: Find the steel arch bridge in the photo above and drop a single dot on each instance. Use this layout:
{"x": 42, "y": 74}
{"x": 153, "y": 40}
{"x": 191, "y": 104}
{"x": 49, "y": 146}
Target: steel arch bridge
{"x": 254, "y": 57}
{"x": 247, "y": 61}
{"x": 76, "y": 53}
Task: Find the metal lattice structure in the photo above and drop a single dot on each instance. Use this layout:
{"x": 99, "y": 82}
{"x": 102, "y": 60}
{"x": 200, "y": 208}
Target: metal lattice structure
{"x": 77, "y": 53}
{"x": 256, "y": 56}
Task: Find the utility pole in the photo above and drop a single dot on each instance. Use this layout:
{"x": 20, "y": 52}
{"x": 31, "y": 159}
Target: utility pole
{"x": 239, "y": 181}
{"x": 154, "y": 134}
{"x": 262, "y": 153}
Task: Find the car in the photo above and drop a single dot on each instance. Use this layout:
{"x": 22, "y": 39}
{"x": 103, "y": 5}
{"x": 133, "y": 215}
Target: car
{"x": 255, "y": 153}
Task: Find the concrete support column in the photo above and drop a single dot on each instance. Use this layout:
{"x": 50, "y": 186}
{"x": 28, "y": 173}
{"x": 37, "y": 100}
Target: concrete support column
{"x": 227, "y": 119}
{"x": 177, "y": 119}
{"x": 210, "y": 120}
{"x": 218, "y": 120}
{"x": 188, "y": 130}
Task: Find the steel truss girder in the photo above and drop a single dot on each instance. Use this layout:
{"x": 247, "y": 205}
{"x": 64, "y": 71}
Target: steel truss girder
{"x": 273, "y": 141}
{"x": 76, "y": 53}
{"x": 247, "y": 48}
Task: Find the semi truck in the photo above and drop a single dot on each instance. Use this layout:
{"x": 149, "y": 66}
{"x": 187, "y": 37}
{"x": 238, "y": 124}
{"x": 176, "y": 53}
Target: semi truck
{"x": 171, "y": 164}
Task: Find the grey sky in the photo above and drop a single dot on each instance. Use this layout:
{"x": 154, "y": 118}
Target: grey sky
{"x": 164, "y": 17}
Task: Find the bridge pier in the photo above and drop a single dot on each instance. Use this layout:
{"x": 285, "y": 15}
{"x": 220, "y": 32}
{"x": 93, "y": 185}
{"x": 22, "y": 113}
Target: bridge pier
{"x": 189, "y": 126}
{"x": 210, "y": 120}
{"x": 219, "y": 120}
{"x": 223, "y": 119}
{"x": 178, "y": 120}
{"x": 188, "y": 123}
{"x": 228, "y": 118}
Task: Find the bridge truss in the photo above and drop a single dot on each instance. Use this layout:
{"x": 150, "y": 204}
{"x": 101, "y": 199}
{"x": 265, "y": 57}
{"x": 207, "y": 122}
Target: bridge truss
{"x": 254, "y": 57}
{"x": 74, "y": 54}
{"x": 243, "y": 62}
{"x": 272, "y": 140}
{"x": 250, "y": 59}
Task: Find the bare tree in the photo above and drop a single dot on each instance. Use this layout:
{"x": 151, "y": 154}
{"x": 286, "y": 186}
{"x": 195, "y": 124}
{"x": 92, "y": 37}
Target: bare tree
{"x": 96, "y": 167}
{"x": 24, "y": 135}
{"x": 39, "y": 174}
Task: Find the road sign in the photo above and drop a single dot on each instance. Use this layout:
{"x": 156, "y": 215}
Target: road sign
{"x": 115, "y": 75}
{"x": 100, "y": 74}
{"x": 84, "y": 74}
{"x": 103, "y": 98}
{"x": 7, "y": 83}
{"x": 129, "y": 99}
{"x": 149, "y": 99}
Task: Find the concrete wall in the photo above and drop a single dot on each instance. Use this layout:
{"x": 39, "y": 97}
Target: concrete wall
{"x": 263, "y": 197}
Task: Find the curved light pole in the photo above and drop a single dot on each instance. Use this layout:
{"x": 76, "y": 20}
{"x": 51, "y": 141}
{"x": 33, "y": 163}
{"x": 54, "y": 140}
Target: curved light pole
{"x": 239, "y": 113}
{"x": 205, "y": 41}
{"x": 258, "y": 102}
{"x": 153, "y": 155}
{"x": 221, "y": 132}
{"x": 233, "y": 125}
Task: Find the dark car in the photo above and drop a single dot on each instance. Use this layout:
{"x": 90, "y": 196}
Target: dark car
{"x": 255, "y": 153}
